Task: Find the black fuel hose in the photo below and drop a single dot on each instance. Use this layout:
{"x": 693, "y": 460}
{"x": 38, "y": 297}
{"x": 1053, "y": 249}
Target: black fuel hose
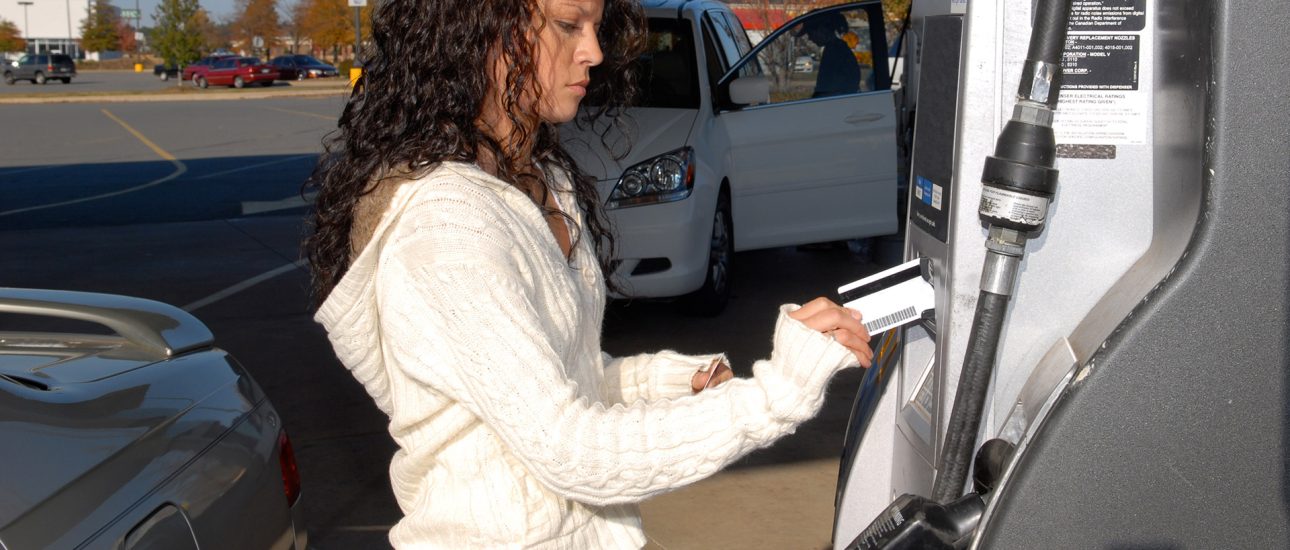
{"x": 1020, "y": 170}
{"x": 1048, "y": 36}
{"x": 969, "y": 401}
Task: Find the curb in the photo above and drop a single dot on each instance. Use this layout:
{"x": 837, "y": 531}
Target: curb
{"x": 160, "y": 97}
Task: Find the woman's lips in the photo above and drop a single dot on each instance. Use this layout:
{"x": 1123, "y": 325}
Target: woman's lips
{"x": 580, "y": 87}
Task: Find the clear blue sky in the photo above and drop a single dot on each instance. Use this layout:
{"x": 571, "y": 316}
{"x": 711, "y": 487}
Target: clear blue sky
{"x": 220, "y": 9}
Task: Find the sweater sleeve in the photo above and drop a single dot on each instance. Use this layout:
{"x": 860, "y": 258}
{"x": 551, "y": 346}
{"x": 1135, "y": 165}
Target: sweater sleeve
{"x": 465, "y": 325}
{"x": 652, "y": 376}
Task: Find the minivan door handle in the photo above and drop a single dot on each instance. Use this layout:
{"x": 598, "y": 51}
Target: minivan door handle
{"x": 861, "y": 118}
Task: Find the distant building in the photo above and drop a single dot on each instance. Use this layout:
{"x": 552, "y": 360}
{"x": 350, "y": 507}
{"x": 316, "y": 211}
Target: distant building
{"x": 48, "y": 25}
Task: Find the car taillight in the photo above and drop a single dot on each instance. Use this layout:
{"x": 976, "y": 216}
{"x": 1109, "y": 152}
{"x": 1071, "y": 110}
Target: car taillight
{"x": 49, "y": 67}
{"x": 290, "y": 473}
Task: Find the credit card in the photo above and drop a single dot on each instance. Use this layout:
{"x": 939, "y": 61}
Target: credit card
{"x": 891, "y": 297}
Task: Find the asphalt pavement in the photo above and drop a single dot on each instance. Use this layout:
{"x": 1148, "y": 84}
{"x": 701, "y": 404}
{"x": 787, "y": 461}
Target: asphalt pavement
{"x": 198, "y": 204}
{"x": 127, "y": 82}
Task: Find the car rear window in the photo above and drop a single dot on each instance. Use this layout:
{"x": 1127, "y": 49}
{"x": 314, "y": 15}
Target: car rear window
{"x": 250, "y": 60}
{"x": 667, "y": 73}
{"x": 62, "y": 59}
{"x": 307, "y": 60}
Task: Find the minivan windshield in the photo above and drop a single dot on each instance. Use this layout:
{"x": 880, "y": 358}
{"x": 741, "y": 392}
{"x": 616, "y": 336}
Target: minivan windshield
{"x": 667, "y": 72}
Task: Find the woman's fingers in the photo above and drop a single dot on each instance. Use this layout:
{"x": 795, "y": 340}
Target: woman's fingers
{"x": 858, "y": 346}
{"x": 712, "y": 377}
{"x": 843, "y": 324}
{"x": 823, "y": 315}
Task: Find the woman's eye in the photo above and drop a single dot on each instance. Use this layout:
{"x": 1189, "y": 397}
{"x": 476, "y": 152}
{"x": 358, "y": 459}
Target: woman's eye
{"x": 567, "y": 26}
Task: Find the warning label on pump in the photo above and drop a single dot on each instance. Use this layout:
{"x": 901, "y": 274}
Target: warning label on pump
{"x": 1101, "y": 62}
{"x": 1088, "y": 117}
{"x": 1108, "y": 15}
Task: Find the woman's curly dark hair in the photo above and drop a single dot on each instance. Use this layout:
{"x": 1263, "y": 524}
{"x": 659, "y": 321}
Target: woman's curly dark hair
{"x": 416, "y": 104}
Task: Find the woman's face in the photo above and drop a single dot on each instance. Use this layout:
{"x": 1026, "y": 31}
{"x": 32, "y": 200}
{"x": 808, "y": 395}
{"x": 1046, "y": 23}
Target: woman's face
{"x": 567, "y": 49}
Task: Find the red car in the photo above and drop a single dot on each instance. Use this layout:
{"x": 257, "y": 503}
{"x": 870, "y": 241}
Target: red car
{"x": 237, "y": 72}
{"x": 200, "y": 66}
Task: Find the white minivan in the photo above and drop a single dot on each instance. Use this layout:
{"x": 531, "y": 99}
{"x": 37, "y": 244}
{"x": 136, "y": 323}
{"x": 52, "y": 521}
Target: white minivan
{"x": 735, "y": 147}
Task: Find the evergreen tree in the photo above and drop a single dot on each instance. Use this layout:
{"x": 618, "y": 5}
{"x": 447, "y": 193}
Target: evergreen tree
{"x": 101, "y": 30}
{"x": 177, "y": 33}
{"x": 10, "y": 39}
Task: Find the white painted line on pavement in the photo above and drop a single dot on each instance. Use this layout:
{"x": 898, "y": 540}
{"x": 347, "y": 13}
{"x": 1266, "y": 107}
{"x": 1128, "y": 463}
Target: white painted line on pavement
{"x": 252, "y": 167}
{"x": 259, "y": 207}
{"x": 239, "y": 287}
{"x": 332, "y": 118}
{"x": 32, "y": 169}
{"x": 180, "y": 169}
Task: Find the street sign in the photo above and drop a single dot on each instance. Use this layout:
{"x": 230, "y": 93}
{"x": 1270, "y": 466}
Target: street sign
{"x": 129, "y": 13}
{"x": 357, "y": 3}
{"x": 257, "y": 42}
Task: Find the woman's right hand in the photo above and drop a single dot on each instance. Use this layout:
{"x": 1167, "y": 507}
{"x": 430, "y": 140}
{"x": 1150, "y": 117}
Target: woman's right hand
{"x": 843, "y": 324}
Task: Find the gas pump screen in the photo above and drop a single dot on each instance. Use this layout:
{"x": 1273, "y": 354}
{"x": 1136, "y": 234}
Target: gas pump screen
{"x": 890, "y": 298}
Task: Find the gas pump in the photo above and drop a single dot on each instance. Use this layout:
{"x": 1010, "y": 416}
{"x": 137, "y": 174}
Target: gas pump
{"x": 1136, "y": 395}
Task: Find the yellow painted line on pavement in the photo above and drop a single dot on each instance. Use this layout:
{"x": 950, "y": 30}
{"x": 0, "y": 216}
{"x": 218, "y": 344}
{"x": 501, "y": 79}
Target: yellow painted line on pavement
{"x": 332, "y": 118}
{"x": 155, "y": 148}
{"x": 180, "y": 169}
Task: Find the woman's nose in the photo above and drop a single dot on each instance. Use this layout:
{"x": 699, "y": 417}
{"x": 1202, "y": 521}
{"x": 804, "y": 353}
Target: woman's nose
{"x": 589, "y": 50}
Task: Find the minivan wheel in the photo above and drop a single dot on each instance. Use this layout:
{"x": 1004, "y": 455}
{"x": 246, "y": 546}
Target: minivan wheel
{"x": 40, "y": 78}
{"x": 238, "y": 82}
{"x": 8, "y": 78}
{"x": 713, "y": 296}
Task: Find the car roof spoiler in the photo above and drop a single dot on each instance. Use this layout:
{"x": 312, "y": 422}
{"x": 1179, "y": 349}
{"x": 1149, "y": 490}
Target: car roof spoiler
{"x": 162, "y": 330}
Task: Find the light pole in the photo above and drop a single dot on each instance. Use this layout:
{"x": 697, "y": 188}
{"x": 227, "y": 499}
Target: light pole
{"x": 26, "y": 27}
{"x": 70, "y": 41}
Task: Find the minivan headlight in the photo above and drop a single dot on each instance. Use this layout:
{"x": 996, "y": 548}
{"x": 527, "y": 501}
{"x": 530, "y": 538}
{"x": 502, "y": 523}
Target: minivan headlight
{"x": 665, "y": 178}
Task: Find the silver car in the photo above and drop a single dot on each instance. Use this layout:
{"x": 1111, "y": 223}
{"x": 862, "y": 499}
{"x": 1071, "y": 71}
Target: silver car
{"x": 131, "y": 430}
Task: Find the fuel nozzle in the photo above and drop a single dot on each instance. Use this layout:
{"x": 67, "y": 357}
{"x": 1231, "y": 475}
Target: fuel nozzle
{"x": 1019, "y": 179}
{"x": 913, "y": 522}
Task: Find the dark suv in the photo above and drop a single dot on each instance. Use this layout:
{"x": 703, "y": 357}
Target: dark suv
{"x": 41, "y": 68}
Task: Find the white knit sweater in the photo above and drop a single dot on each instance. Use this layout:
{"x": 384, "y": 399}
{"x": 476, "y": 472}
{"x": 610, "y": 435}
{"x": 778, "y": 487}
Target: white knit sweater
{"x": 471, "y": 331}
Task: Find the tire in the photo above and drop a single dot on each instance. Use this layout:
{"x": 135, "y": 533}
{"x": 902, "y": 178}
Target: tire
{"x": 164, "y": 76}
{"x": 201, "y": 82}
{"x": 8, "y": 78}
{"x": 267, "y": 83}
{"x": 66, "y": 80}
{"x": 712, "y": 297}
{"x": 39, "y": 79}
{"x": 238, "y": 82}
{"x": 300, "y": 75}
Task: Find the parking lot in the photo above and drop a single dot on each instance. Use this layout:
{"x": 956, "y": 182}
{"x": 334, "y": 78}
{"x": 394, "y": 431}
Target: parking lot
{"x": 198, "y": 204}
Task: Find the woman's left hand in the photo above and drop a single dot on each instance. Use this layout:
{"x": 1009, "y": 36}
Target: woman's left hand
{"x": 717, "y": 374}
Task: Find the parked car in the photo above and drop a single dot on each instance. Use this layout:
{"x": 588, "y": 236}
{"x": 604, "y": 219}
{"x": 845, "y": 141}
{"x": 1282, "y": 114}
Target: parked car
{"x": 733, "y": 150}
{"x": 804, "y": 64}
{"x": 237, "y": 72}
{"x": 300, "y": 67}
{"x": 142, "y": 435}
{"x": 202, "y": 65}
{"x": 41, "y": 68}
{"x": 165, "y": 72}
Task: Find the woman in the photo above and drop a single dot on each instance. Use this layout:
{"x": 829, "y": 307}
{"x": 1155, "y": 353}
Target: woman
{"x": 839, "y": 71}
{"x": 456, "y": 249}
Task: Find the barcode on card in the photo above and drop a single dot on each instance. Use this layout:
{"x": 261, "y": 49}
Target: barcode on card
{"x": 893, "y": 319}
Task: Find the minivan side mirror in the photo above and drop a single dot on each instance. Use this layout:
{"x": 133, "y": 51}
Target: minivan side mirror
{"x": 750, "y": 90}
